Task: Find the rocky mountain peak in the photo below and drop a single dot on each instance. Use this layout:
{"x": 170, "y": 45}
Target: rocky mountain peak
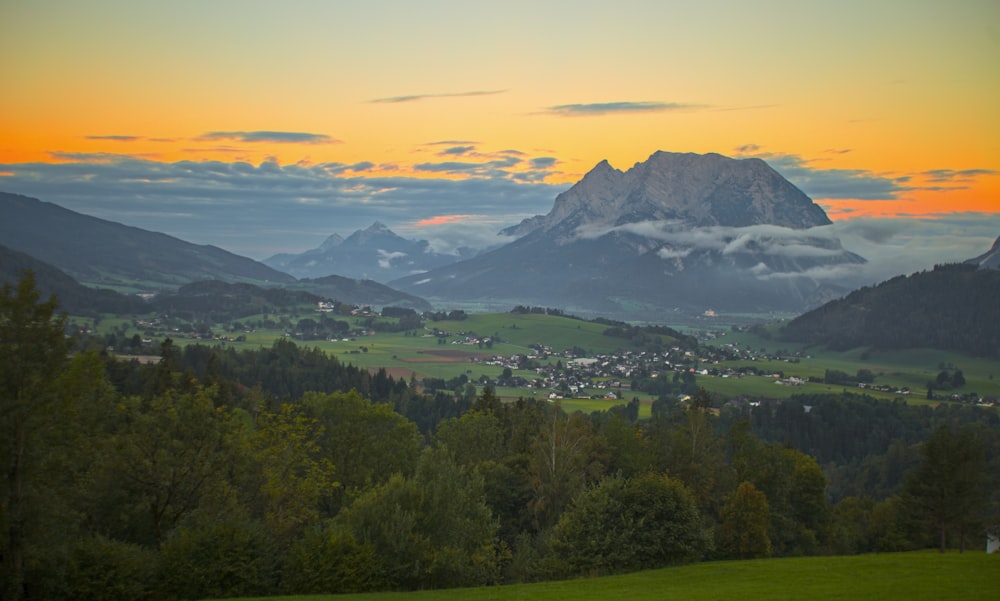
{"x": 686, "y": 188}
{"x": 333, "y": 241}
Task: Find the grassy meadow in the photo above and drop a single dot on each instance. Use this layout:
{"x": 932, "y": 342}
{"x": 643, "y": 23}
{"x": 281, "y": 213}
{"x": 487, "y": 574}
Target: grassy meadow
{"x": 916, "y": 576}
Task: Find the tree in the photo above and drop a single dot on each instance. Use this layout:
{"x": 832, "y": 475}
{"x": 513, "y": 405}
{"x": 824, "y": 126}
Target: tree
{"x": 626, "y": 524}
{"x": 293, "y": 476}
{"x": 744, "y": 521}
{"x": 366, "y": 442}
{"x": 948, "y": 485}
{"x": 566, "y": 457}
{"x": 474, "y": 437}
{"x": 429, "y": 530}
{"x": 171, "y": 456}
{"x": 33, "y": 351}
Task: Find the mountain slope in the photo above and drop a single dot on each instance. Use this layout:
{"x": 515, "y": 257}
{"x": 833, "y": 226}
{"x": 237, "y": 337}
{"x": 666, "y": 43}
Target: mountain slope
{"x": 990, "y": 259}
{"x": 73, "y": 297}
{"x": 376, "y": 253}
{"x": 680, "y": 233}
{"x": 953, "y": 307}
{"x": 100, "y": 252}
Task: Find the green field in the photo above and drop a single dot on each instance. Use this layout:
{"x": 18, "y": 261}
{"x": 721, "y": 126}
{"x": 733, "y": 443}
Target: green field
{"x": 911, "y": 368}
{"x": 919, "y": 576}
{"x": 421, "y": 355}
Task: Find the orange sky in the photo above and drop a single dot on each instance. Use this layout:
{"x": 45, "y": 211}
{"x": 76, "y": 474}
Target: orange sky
{"x": 882, "y": 109}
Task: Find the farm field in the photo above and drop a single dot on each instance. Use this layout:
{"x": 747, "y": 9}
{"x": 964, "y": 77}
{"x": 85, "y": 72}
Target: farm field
{"x": 421, "y": 354}
{"x": 915, "y": 576}
{"x": 910, "y": 368}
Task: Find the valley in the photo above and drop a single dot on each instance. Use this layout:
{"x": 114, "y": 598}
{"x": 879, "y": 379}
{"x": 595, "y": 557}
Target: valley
{"x": 730, "y": 363}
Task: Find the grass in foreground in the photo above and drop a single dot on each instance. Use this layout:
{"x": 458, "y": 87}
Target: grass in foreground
{"x": 924, "y": 575}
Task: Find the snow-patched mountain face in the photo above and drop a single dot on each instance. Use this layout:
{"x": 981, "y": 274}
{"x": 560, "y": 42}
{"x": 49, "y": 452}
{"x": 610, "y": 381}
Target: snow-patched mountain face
{"x": 678, "y": 231}
{"x": 374, "y": 253}
{"x": 990, "y": 259}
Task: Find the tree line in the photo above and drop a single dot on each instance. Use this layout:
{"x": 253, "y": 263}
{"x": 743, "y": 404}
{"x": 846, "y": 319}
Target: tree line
{"x": 218, "y": 473}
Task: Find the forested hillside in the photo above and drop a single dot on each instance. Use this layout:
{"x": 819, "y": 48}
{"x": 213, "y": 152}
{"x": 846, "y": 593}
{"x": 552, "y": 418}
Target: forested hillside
{"x": 953, "y": 307}
{"x": 73, "y": 297}
{"x": 217, "y": 473}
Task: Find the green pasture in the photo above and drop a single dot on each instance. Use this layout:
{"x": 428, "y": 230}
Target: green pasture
{"x": 917, "y": 576}
{"x": 911, "y": 368}
{"x": 421, "y": 355}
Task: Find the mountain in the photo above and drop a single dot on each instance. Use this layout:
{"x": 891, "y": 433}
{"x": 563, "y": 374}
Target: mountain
{"x": 953, "y": 307}
{"x": 105, "y": 253}
{"x": 376, "y": 253}
{"x": 360, "y": 292}
{"x": 679, "y": 233}
{"x": 72, "y": 297}
{"x": 990, "y": 259}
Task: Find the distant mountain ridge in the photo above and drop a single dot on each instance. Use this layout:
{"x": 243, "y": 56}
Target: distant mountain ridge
{"x": 676, "y": 233}
{"x": 104, "y": 253}
{"x": 73, "y": 248}
{"x": 375, "y": 253}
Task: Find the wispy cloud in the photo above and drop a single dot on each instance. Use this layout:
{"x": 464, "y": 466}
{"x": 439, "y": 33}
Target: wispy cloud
{"x": 99, "y": 157}
{"x": 617, "y": 108}
{"x": 114, "y": 138}
{"x": 279, "y": 137}
{"x": 442, "y": 219}
{"x": 451, "y": 143}
{"x": 957, "y": 175}
{"x": 418, "y": 97}
{"x": 543, "y": 162}
{"x": 457, "y": 150}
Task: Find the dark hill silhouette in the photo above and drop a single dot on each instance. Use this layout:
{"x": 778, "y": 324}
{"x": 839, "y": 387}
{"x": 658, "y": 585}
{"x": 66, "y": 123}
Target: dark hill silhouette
{"x": 105, "y": 253}
{"x": 72, "y": 297}
{"x": 954, "y": 307}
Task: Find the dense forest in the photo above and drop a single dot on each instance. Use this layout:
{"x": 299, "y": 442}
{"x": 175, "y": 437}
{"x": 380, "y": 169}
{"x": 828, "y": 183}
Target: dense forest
{"x": 952, "y": 307}
{"x": 215, "y": 473}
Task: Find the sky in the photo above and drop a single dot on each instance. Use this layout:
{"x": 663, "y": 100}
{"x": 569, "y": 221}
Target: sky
{"x": 266, "y": 127}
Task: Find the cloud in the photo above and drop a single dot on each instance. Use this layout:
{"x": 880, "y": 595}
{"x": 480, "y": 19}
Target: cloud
{"x": 449, "y": 234}
{"x": 859, "y": 184}
{"x": 114, "y": 138}
{"x": 259, "y": 210}
{"x": 821, "y": 184}
{"x": 442, "y": 219}
{"x": 543, "y": 162}
{"x": 279, "y": 137}
{"x": 953, "y": 175}
{"x": 613, "y": 108}
{"x": 457, "y": 150}
{"x": 494, "y": 168}
{"x": 385, "y": 258}
{"x": 451, "y": 143}
{"x": 98, "y": 157}
{"x": 891, "y": 246}
{"x": 418, "y": 97}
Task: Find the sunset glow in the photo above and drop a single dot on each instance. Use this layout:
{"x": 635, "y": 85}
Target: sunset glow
{"x": 425, "y": 114}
